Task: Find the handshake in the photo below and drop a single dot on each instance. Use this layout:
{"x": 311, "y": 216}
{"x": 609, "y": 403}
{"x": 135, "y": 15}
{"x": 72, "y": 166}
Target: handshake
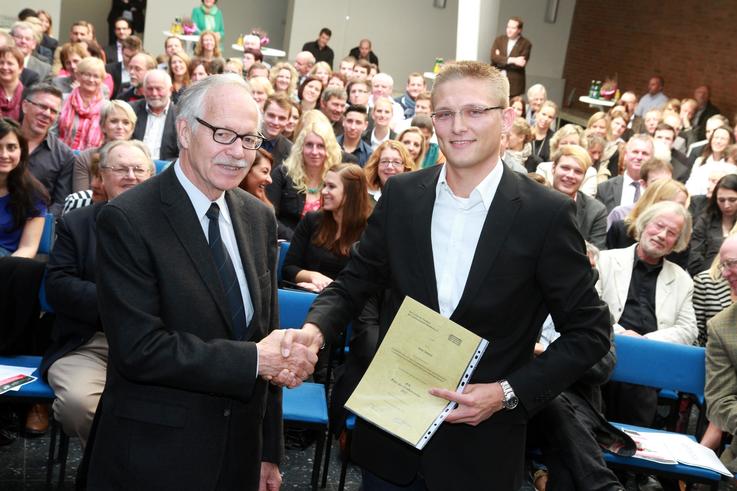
{"x": 286, "y": 357}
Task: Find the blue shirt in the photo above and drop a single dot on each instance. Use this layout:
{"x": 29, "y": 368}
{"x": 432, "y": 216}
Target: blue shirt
{"x": 10, "y": 236}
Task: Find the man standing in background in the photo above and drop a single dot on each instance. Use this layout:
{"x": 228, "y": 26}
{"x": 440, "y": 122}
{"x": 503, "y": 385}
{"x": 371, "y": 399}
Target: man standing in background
{"x": 510, "y": 54}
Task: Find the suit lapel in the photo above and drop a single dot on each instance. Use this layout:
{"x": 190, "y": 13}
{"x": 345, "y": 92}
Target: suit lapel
{"x": 664, "y": 287}
{"x": 625, "y": 262}
{"x": 498, "y": 222}
{"x": 182, "y": 218}
{"x": 421, "y": 225}
{"x": 240, "y": 215}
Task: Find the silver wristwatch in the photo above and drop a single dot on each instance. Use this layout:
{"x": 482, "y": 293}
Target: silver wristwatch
{"x": 510, "y": 400}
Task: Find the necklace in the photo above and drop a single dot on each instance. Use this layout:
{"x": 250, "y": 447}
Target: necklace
{"x": 537, "y": 149}
{"x": 314, "y": 190}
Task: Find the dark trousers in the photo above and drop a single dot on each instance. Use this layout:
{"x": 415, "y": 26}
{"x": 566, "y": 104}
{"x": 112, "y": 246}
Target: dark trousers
{"x": 372, "y": 482}
{"x": 630, "y": 404}
{"x": 570, "y": 450}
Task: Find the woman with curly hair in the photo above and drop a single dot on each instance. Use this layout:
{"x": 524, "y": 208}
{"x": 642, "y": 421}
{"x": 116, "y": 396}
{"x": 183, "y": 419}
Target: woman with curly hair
{"x": 207, "y": 47}
{"x": 284, "y": 78}
{"x": 296, "y": 186}
{"x": 23, "y": 199}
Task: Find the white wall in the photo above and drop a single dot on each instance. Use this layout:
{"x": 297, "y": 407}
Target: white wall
{"x": 407, "y": 35}
{"x": 549, "y": 41}
{"x": 10, "y": 9}
{"x": 238, "y": 16}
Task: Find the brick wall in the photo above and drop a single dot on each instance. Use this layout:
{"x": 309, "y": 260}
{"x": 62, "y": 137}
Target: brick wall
{"x": 688, "y": 42}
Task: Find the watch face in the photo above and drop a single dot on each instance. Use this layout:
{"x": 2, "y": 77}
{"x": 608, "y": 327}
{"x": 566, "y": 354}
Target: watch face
{"x": 512, "y": 402}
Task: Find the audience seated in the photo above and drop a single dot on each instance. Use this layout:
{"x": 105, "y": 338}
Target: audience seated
{"x": 277, "y": 111}
{"x": 11, "y": 87}
{"x": 721, "y": 368}
{"x": 208, "y": 47}
{"x": 51, "y": 160}
{"x": 295, "y": 190}
{"x": 76, "y": 362}
{"x": 414, "y": 142}
{"x": 389, "y": 158}
{"x": 536, "y": 96}
{"x": 654, "y": 98}
{"x": 23, "y": 199}
{"x": 713, "y": 157}
{"x": 120, "y": 70}
{"x": 79, "y": 121}
{"x": 156, "y": 117}
{"x": 332, "y": 104}
{"x": 26, "y": 39}
{"x": 261, "y": 89}
{"x": 625, "y": 189}
{"x": 651, "y": 171}
{"x": 364, "y": 52}
{"x": 138, "y": 66}
{"x": 284, "y": 78}
{"x": 355, "y": 122}
{"x": 714, "y": 224}
{"x": 570, "y": 165}
{"x": 542, "y": 131}
{"x": 117, "y": 121}
{"x": 309, "y": 93}
{"x": 569, "y": 134}
{"x": 178, "y": 68}
{"x": 648, "y": 296}
{"x": 415, "y": 86}
{"x": 711, "y": 292}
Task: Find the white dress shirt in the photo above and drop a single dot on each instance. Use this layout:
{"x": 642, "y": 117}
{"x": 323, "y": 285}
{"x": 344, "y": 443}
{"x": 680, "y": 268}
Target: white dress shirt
{"x": 628, "y": 191}
{"x": 155, "y": 131}
{"x": 455, "y": 230}
{"x": 201, "y": 204}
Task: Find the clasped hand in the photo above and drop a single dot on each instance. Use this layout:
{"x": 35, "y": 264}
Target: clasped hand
{"x": 286, "y": 357}
{"x": 477, "y": 403}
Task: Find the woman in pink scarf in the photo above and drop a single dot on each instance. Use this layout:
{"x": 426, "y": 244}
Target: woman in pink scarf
{"x": 11, "y": 64}
{"x": 79, "y": 121}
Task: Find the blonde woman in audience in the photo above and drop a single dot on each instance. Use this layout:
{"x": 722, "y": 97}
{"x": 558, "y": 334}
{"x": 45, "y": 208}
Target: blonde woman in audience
{"x": 117, "y": 122}
{"x": 178, "y": 67}
{"x": 598, "y": 123}
{"x": 297, "y": 183}
{"x": 542, "y": 132}
{"x": 284, "y": 78}
{"x": 414, "y": 141}
{"x": 79, "y": 120}
{"x": 389, "y": 159}
{"x": 207, "y": 47}
{"x": 261, "y": 89}
{"x": 322, "y": 72}
{"x": 294, "y": 115}
{"x": 570, "y": 134}
{"x": 382, "y": 114}
{"x": 234, "y": 65}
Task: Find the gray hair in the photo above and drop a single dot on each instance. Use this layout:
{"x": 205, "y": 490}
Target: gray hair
{"x": 331, "y": 92}
{"x": 108, "y": 148}
{"x": 114, "y": 104}
{"x": 661, "y": 208}
{"x": 535, "y": 89}
{"x": 157, "y": 73}
{"x": 21, "y": 24}
{"x": 386, "y": 77}
{"x": 192, "y": 103}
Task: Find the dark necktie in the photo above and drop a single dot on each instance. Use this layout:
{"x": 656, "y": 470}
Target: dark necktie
{"x": 226, "y": 271}
{"x": 636, "y": 184}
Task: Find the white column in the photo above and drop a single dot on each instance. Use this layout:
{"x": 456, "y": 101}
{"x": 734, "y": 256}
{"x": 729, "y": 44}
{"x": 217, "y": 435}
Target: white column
{"x": 476, "y": 28}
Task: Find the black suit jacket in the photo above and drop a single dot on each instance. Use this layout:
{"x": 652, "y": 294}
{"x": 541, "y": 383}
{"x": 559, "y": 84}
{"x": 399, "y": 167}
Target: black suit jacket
{"x": 280, "y": 150}
{"x": 182, "y": 406}
{"x": 609, "y": 192}
{"x": 115, "y": 70}
{"x": 591, "y": 219}
{"x": 29, "y": 77}
{"x": 372, "y": 58}
{"x": 111, "y": 53}
{"x": 529, "y": 261}
{"x": 169, "y": 149}
{"x": 70, "y": 283}
{"x": 287, "y": 200}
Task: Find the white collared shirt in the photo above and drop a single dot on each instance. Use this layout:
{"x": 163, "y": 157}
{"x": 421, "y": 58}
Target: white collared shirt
{"x": 155, "y": 131}
{"x": 628, "y": 191}
{"x": 455, "y": 230}
{"x": 201, "y": 204}
{"x": 510, "y": 45}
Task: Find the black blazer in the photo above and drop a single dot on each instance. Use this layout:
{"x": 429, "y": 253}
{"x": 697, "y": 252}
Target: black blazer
{"x": 280, "y": 151}
{"x": 529, "y": 261}
{"x": 169, "y": 149}
{"x": 111, "y": 53}
{"x": 182, "y": 407}
{"x": 609, "y": 192}
{"x": 115, "y": 69}
{"x": 288, "y": 202}
{"x": 706, "y": 240}
{"x": 70, "y": 283}
{"x": 591, "y": 219}
{"x": 29, "y": 77}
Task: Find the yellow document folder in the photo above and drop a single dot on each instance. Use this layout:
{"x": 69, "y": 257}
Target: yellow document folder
{"x": 421, "y": 350}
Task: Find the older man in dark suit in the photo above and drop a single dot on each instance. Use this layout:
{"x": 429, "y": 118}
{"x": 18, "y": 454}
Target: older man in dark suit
{"x": 511, "y": 53}
{"x": 186, "y": 282}
{"x": 156, "y": 115}
{"x": 625, "y": 189}
{"x": 493, "y": 251}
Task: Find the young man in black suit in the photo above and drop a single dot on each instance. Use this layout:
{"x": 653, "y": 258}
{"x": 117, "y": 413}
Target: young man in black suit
{"x": 491, "y": 250}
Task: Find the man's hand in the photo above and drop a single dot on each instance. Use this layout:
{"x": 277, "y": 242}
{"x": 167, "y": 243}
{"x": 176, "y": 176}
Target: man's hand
{"x": 630, "y": 332}
{"x": 309, "y": 336}
{"x": 476, "y": 404}
{"x": 281, "y": 368}
{"x": 538, "y": 350}
{"x": 270, "y": 477}
{"x": 517, "y": 60}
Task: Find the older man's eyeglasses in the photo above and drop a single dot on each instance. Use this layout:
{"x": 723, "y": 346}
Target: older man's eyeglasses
{"x": 224, "y": 136}
{"x": 728, "y": 265}
{"x": 125, "y": 170}
{"x": 468, "y": 113}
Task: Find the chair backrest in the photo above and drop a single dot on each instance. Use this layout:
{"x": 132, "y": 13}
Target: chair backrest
{"x": 283, "y": 248}
{"x": 659, "y": 364}
{"x": 47, "y": 236}
{"x": 161, "y": 165}
{"x": 293, "y": 307}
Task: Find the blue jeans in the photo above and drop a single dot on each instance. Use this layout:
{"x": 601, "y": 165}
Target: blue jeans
{"x": 4, "y": 252}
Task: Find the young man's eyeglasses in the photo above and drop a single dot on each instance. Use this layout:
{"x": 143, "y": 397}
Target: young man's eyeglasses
{"x": 468, "y": 112}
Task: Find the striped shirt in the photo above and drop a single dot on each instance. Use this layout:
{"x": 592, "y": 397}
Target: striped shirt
{"x": 709, "y": 298}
